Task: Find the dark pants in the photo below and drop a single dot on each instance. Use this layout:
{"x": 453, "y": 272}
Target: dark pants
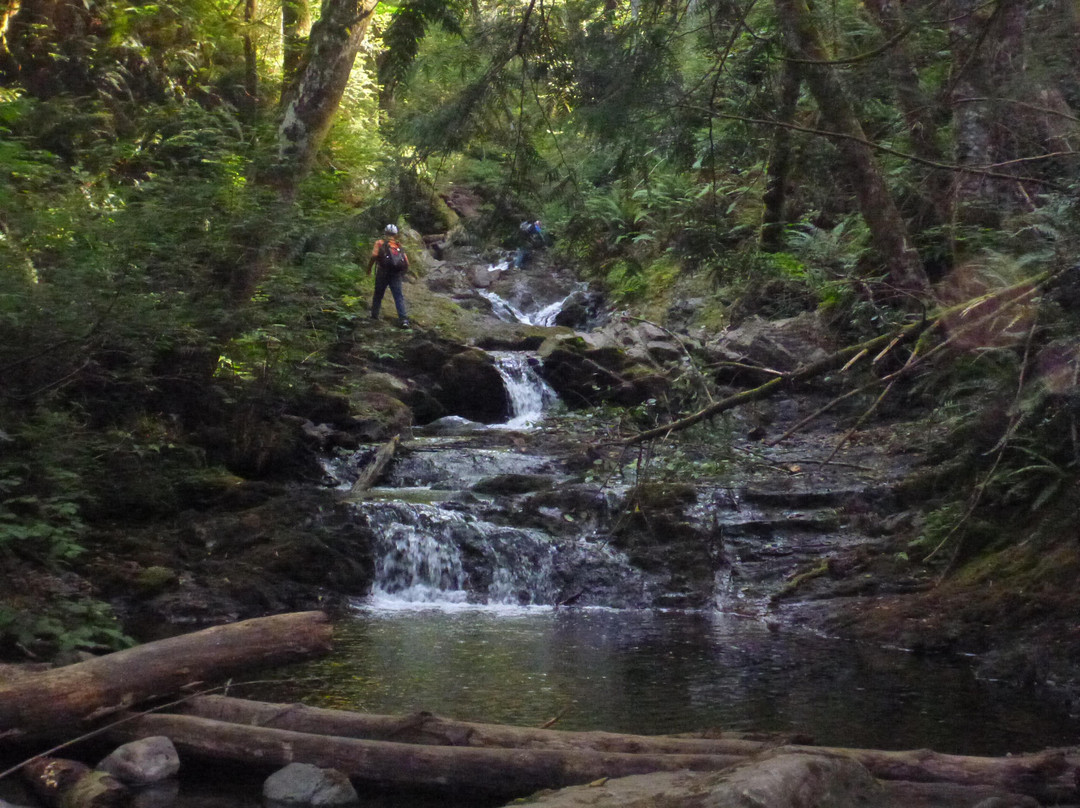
{"x": 392, "y": 278}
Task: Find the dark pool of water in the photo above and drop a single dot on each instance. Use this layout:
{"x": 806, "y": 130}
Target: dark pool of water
{"x": 649, "y": 672}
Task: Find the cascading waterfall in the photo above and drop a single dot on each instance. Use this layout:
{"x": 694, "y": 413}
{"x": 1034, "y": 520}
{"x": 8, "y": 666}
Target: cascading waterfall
{"x": 530, "y": 396}
{"x": 505, "y": 310}
{"x": 422, "y": 550}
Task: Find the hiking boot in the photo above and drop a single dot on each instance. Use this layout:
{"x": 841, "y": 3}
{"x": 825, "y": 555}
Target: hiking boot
{"x": 405, "y": 324}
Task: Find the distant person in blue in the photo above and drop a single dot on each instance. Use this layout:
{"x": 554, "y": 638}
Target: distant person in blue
{"x": 532, "y": 238}
{"x": 392, "y": 263}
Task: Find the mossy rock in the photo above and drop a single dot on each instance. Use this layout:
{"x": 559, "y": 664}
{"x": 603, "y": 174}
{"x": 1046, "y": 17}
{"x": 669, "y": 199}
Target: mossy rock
{"x": 382, "y": 383}
{"x": 510, "y": 484}
{"x": 379, "y": 416}
{"x": 662, "y": 496}
{"x": 150, "y": 581}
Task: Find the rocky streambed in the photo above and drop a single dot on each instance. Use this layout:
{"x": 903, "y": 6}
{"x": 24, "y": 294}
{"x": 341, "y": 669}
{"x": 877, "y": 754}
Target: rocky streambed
{"x": 488, "y": 503}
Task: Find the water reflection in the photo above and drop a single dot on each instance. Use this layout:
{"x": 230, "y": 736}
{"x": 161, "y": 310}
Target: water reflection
{"x": 663, "y": 672}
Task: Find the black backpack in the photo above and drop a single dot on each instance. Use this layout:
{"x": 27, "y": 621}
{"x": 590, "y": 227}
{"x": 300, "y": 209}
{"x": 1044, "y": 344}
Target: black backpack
{"x": 392, "y": 257}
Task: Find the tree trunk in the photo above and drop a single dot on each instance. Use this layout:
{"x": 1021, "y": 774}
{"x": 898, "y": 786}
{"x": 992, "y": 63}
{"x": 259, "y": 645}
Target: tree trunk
{"x": 490, "y": 772}
{"x": 888, "y": 232}
{"x": 774, "y": 218}
{"x": 309, "y": 110}
{"x": 295, "y": 27}
{"x": 424, "y": 728}
{"x": 250, "y": 108}
{"x": 918, "y": 108}
{"x": 67, "y": 698}
{"x": 988, "y": 54}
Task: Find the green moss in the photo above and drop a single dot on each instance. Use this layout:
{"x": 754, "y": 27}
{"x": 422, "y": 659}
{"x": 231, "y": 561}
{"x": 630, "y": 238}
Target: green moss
{"x": 152, "y": 580}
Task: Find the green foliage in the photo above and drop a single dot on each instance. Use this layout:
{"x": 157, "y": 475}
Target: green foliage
{"x": 63, "y": 626}
{"x": 41, "y": 492}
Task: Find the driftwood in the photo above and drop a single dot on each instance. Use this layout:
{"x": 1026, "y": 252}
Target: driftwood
{"x": 371, "y": 473}
{"x": 67, "y": 698}
{"x": 490, "y": 772}
{"x": 426, "y": 751}
{"x": 425, "y": 728}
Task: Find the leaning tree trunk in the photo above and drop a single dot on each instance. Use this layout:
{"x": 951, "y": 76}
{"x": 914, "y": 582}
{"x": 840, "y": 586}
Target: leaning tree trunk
{"x": 310, "y": 107}
{"x": 888, "y": 232}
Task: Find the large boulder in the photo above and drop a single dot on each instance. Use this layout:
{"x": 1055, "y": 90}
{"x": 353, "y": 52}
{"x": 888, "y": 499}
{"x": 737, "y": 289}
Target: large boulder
{"x": 644, "y": 343}
{"x": 144, "y": 761}
{"x": 302, "y": 784}
{"x": 755, "y": 351}
{"x": 473, "y": 388}
{"x": 586, "y": 376}
{"x": 782, "y": 781}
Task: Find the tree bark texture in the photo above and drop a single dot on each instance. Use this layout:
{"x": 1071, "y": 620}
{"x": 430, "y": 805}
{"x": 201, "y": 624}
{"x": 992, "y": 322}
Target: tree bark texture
{"x": 295, "y": 27}
{"x": 71, "y": 697}
{"x": 775, "y": 218}
{"x": 490, "y": 772}
{"x": 424, "y": 728}
{"x": 309, "y": 109}
{"x": 888, "y": 231}
{"x": 988, "y": 56}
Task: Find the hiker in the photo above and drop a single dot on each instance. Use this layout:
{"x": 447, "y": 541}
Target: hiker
{"x": 392, "y": 264}
{"x": 532, "y": 237}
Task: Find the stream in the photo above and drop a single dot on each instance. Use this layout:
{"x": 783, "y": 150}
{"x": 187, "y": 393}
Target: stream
{"x": 488, "y": 607}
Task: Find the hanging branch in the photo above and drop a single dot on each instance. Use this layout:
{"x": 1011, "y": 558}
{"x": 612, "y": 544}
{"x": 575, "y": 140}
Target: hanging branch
{"x": 884, "y": 149}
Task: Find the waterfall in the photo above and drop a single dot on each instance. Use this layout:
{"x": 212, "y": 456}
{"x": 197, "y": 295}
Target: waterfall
{"x": 429, "y": 555}
{"x": 505, "y": 310}
{"x": 530, "y": 396}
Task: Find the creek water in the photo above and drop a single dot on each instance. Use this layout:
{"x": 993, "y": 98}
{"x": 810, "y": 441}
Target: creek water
{"x": 662, "y": 672}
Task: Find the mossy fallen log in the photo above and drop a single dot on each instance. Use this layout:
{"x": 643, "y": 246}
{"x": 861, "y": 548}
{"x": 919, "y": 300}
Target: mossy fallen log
{"x": 72, "y": 697}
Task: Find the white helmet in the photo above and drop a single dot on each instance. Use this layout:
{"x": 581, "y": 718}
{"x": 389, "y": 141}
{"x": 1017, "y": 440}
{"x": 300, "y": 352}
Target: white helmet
{"x": 391, "y": 229}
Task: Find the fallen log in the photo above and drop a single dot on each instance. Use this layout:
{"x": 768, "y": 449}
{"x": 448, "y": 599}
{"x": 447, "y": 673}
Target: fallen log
{"x": 425, "y": 728}
{"x": 1050, "y": 776}
{"x": 371, "y": 473}
{"x": 504, "y": 773}
{"x": 69, "y": 697}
